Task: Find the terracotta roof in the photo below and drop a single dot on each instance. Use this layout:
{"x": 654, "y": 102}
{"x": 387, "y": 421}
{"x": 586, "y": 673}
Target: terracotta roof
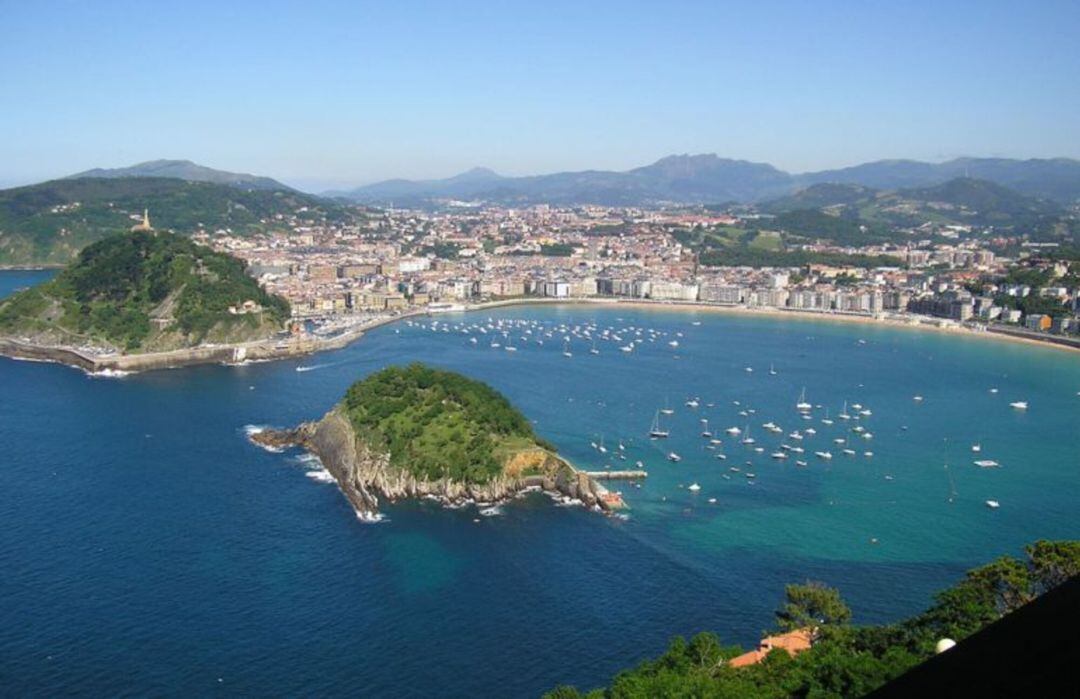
{"x": 794, "y": 642}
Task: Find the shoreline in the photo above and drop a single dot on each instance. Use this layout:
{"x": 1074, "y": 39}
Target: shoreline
{"x": 287, "y": 348}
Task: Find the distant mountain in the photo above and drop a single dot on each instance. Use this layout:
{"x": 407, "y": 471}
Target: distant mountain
{"x": 185, "y": 170}
{"x": 709, "y": 179}
{"x": 676, "y": 178}
{"x": 49, "y": 223}
{"x": 1057, "y": 178}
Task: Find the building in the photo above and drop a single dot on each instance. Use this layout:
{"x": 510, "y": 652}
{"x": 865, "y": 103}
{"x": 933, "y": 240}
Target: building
{"x": 794, "y": 642}
{"x": 1038, "y": 321}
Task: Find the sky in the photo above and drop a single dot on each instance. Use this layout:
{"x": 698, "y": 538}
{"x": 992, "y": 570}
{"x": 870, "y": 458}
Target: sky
{"x": 330, "y": 94}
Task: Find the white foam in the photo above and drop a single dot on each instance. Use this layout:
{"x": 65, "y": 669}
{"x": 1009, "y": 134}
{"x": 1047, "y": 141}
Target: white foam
{"x": 312, "y": 367}
{"x": 493, "y": 511}
{"x": 252, "y": 430}
{"x": 321, "y": 476}
{"x": 108, "y": 374}
{"x": 371, "y": 517}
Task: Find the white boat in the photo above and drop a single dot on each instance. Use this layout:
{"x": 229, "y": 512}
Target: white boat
{"x": 672, "y": 456}
{"x": 1019, "y": 405}
{"x": 843, "y": 413}
{"x": 993, "y": 504}
{"x": 772, "y": 371}
{"x": 666, "y": 410}
{"x": 705, "y": 432}
{"x": 779, "y": 455}
{"x": 849, "y": 452}
{"x": 987, "y": 463}
{"x": 801, "y": 463}
{"x": 734, "y": 431}
{"x": 694, "y": 487}
{"x": 802, "y": 405}
{"x": 868, "y": 454}
{"x": 510, "y": 348}
{"x": 674, "y": 343}
{"x": 917, "y": 399}
{"x": 748, "y": 439}
{"x": 823, "y": 454}
{"x": 749, "y": 370}
{"x": 655, "y": 431}
{"x": 692, "y": 403}
{"x": 976, "y": 448}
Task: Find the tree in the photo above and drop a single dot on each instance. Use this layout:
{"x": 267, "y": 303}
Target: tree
{"x": 1053, "y": 562}
{"x": 812, "y": 604}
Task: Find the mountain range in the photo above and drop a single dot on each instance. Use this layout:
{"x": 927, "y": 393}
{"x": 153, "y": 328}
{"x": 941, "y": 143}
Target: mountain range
{"x": 708, "y": 178}
{"x": 185, "y": 170}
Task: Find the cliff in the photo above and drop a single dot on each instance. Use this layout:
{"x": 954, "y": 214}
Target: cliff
{"x": 367, "y": 477}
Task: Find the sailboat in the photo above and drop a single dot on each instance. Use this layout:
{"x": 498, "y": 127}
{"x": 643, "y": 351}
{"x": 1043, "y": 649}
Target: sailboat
{"x": 747, "y": 439}
{"x": 667, "y": 410}
{"x": 826, "y": 420}
{"x": 772, "y": 371}
{"x": 594, "y": 350}
{"x": 802, "y": 405}
{"x": 655, "y": 431}
{"x": 566, "y": 349}
{"x": 601, "y": 448}
{"x": 843, "y": 413}
{"x": 705, "y": 432}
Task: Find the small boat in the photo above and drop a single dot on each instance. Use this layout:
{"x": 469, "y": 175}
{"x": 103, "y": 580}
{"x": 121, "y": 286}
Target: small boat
{"x": 993, "y": 504}
{"x": 734, "y": 431}
{"x": 987, "y": 463}
{"x": 802, "y": 405}
{"x": 748, "y": 439}
{"x": 772, "y": 371}
{"x": 510, "y": 348}
{"x": 696, "y": 323}
{"x": 849, "y": 452}
{"x": 844, "y": 413}
{"x": 917, "y": 399}
{"x": 801, "y": 463}
{"x": 779, "y": 455}
{"x": 749, "y": 370}
{"x": 674, "y": 343}
{"x": 868, "y": 454}
{"x": 1019, "y": 405}
{"x": 694, "y": 487}
{"x": 712, "y": 501}
{"x": 692, "y": 403}
{"x": 672, "y": 456}
{"x": 976, "y": 448}
{"x": 722, "y": 457}
{"x": 823, "y": 454}
{"x": 667, "y": 410}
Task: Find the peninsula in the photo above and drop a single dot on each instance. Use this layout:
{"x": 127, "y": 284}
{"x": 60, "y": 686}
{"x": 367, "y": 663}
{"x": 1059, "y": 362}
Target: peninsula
{"x": 142, "y": 293}
{"x": 416, "y": 431}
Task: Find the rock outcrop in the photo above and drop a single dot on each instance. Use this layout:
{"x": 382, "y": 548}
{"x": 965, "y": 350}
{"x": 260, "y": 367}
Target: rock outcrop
{"x": 367, "y": 477}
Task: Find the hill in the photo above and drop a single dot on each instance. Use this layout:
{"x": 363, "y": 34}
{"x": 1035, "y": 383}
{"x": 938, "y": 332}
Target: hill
{"x": 185, "y": 170}
{"x": 419, "y": 432}
{"x": 139, "y": 292}
{"x": 49, "y": 223}
{"x": 709, "y": 179}
{"x": 846, "y": 660}
{"x": 437, "y": 424}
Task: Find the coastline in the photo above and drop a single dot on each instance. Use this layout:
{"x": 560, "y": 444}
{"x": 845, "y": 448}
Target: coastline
{"x": 286, "y": 348}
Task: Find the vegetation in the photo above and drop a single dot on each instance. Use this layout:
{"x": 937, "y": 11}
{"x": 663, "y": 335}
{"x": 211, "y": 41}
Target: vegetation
{"x": 746, "y": 257}
{"x": 437, "y": 424}
{"x": 119, "y": 284}
{"x": 845, "y": 660}
{"x": 557, "y": 250}
{"x": 52, "y": 221}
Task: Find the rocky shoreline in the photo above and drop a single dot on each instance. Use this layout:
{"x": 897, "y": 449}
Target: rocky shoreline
{"x": 367, "y": 478}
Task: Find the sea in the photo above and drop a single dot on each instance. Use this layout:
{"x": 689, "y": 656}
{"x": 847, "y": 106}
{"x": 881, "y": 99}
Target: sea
{"x": 149, "y": 548}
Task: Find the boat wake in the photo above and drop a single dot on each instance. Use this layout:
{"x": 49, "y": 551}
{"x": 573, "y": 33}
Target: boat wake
{"x": 312, "y": 367}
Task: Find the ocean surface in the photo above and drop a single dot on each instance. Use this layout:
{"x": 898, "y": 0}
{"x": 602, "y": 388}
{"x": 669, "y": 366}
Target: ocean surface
{"x": 148, "y": 548}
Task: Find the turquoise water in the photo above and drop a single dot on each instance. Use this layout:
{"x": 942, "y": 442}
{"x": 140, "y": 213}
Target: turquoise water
{"x": 149, "y": 548}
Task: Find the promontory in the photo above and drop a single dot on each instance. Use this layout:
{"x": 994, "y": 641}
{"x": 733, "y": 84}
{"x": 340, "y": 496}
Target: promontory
{"x": 417, "y": 431}
{"x": 145, "y": 299}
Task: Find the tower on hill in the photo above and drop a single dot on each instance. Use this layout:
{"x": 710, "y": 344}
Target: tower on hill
{"x": 144, "y": 225}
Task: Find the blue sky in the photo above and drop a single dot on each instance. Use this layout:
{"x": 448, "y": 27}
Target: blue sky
{"x": 322, "y": 94}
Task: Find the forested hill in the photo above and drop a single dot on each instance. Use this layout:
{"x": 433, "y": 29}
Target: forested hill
{"x": 438, "y": 424}
{"x": 145, "y": 292}
{"x": 49, "y": 223}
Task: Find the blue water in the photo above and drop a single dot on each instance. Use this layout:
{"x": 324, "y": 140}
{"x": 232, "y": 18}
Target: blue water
{"x": 148, "y": 548}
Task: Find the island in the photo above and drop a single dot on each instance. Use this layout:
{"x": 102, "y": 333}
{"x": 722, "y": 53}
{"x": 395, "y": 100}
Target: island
{"x": 146, "y": 299}
{"x": 420, "y": 432}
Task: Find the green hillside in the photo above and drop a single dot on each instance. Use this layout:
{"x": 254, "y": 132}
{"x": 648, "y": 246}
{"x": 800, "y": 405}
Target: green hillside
{"x": 437, "y": 424}
{"x": 143, "y": 292}
{"x": 844, "y": 660}
{"x": 49, "y": 223}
